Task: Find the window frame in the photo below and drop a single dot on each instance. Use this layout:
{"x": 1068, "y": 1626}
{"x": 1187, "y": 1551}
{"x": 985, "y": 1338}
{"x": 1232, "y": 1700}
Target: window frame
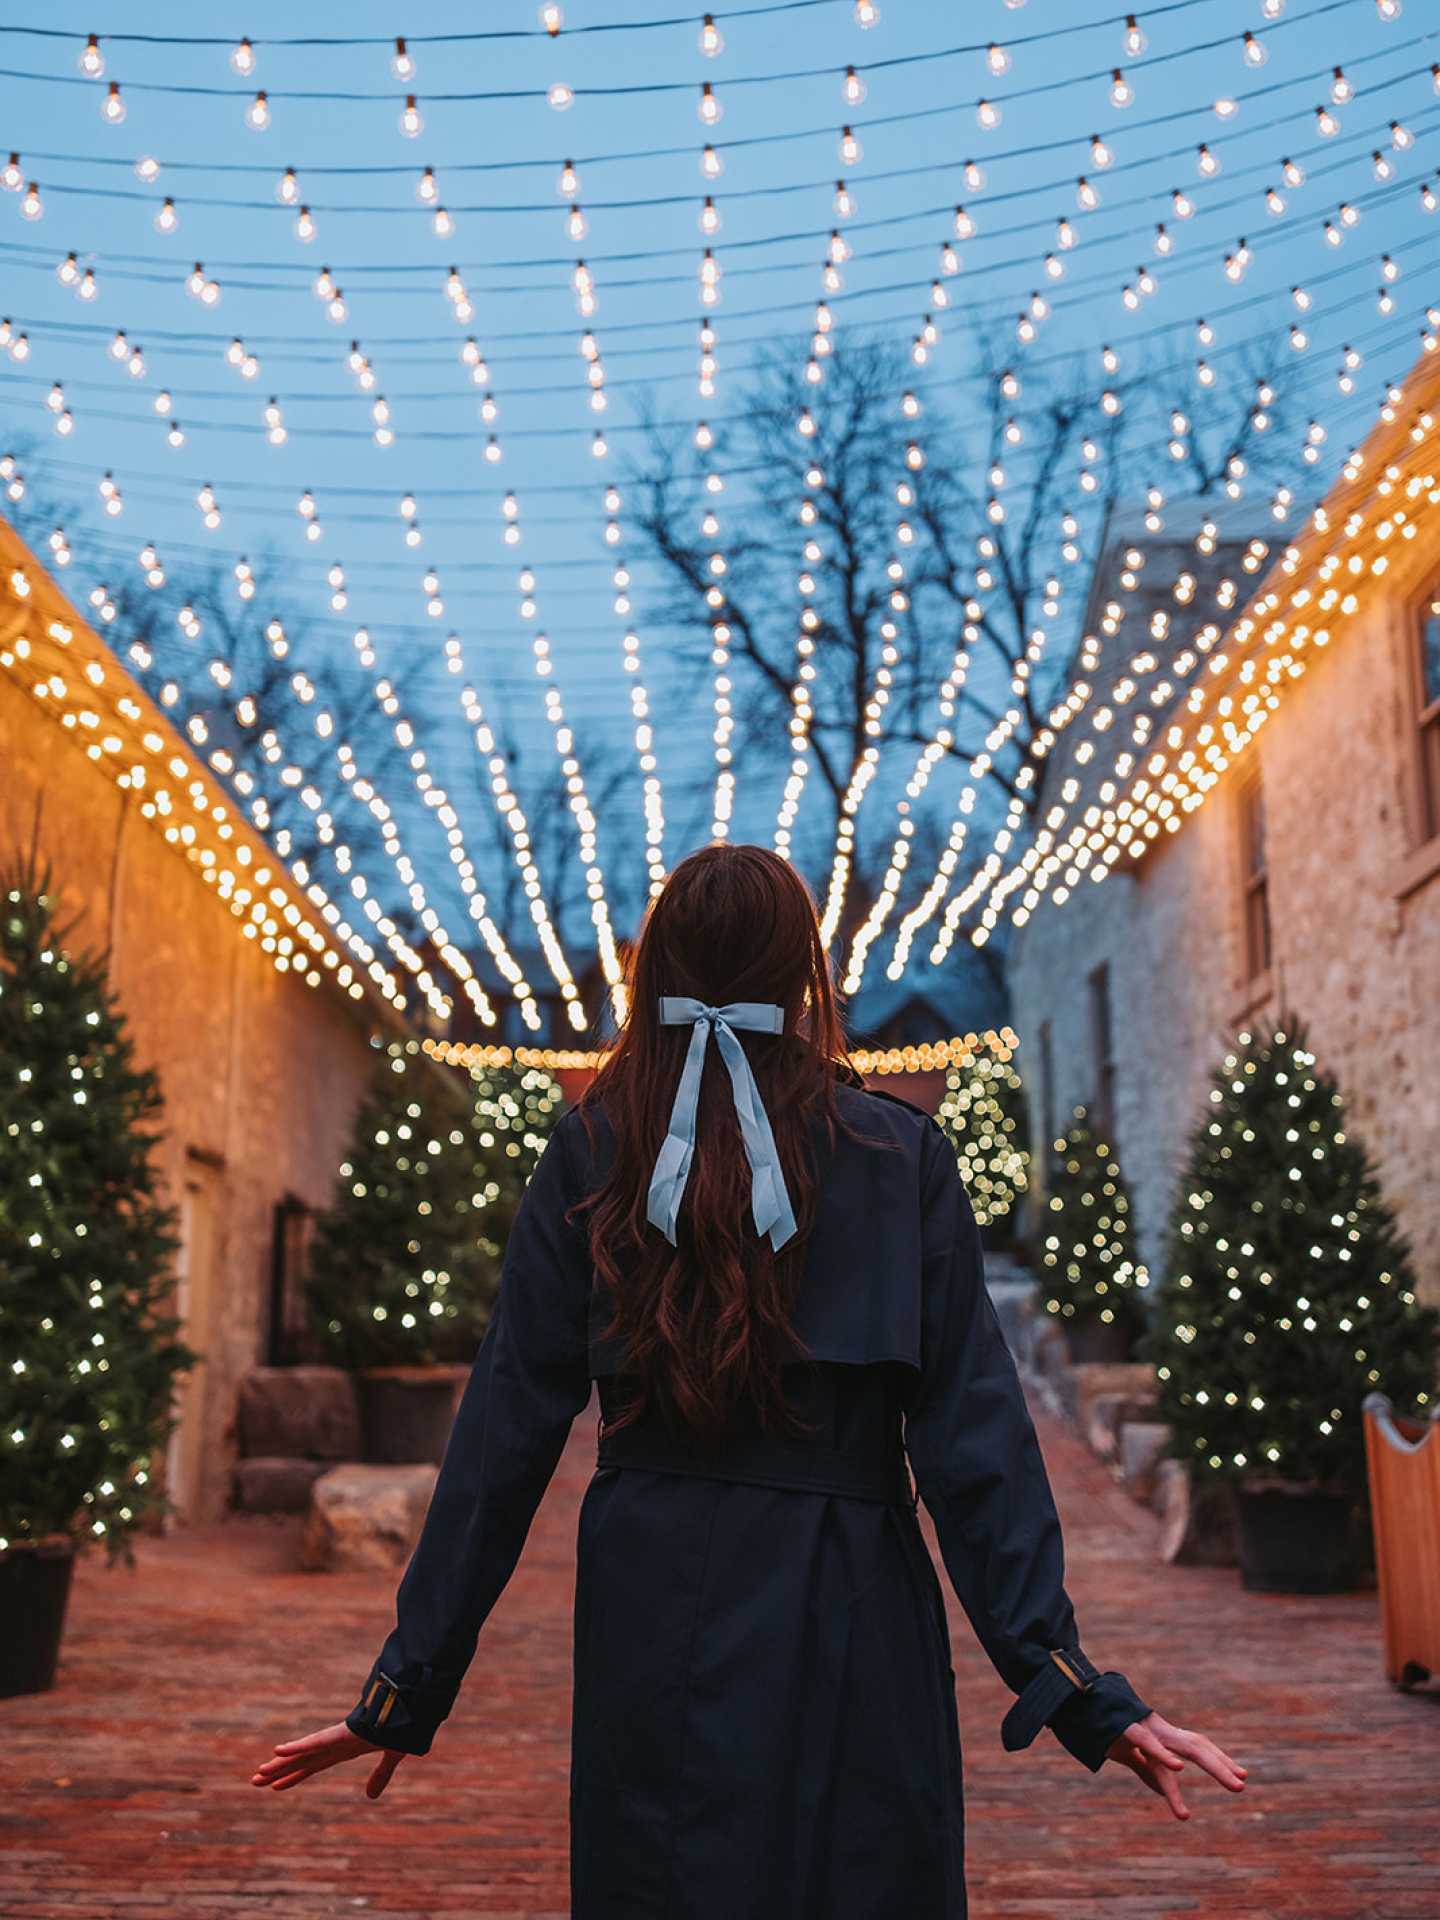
{"x": 1102, "y": 1049}
{"x": 1426, "y": 717}
{"x": 1257, "y": 933}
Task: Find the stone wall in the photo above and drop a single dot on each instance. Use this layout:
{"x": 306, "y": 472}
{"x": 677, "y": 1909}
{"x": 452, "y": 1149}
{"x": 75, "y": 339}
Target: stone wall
{"x": 260, "y": 1073}
{"x": 1355, "y": 919}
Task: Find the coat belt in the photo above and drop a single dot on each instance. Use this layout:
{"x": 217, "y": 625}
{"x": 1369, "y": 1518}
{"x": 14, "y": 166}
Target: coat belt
{"x": 762, "y": 1462}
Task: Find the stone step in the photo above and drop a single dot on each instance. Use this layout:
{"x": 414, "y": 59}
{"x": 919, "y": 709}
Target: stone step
{"x": 363, "y": 1517}
{"x": 274, "y": 1483}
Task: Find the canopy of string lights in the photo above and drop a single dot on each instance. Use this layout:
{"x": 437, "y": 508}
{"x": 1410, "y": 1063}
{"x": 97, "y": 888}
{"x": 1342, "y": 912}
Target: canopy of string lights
{"x": 516, "y": 453}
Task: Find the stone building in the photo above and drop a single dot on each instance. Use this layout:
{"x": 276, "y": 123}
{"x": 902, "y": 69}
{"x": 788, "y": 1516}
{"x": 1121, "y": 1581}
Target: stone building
{"x": 256, "y": 1019}
{"x": 1261, "y": 798}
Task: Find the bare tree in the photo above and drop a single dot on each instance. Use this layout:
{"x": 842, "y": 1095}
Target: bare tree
{"x": 917, "y": 553}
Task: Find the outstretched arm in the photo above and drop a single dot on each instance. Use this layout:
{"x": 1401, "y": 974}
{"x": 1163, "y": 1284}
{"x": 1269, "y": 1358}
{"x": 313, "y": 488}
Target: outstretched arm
{"x": 979, "y": 1469}
{"x": 529, "y": 1380}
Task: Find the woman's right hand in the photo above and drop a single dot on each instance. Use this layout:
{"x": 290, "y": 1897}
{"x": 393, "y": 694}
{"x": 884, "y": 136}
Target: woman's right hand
{"x": 1156, "y": 1750}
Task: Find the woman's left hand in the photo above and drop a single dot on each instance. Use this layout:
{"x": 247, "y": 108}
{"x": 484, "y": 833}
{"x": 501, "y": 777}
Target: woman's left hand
{"x": 298, "y": 1760}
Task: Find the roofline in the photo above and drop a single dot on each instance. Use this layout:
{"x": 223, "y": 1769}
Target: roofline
{"x": 123, "y": 732}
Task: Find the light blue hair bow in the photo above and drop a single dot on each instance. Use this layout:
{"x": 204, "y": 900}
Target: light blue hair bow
{"x": 771, "y": 1203}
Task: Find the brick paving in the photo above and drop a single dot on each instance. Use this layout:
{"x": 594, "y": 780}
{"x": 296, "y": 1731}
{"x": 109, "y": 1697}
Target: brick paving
{"x": 127, "y": 1798}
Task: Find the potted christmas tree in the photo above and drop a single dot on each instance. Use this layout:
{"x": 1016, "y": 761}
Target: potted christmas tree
{"x": 86, "y": 1248}
{"x": 1287, "y": 1299}
{"x": 983, "y": 1113}
{"x": 404, "y": 1265}
{"x": 1090, "y": 1279}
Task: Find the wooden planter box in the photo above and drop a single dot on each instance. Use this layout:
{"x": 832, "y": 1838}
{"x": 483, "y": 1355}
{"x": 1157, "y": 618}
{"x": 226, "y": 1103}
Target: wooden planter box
{"x": 1403, "y": 1460}
{"x": 406, "y": 1412}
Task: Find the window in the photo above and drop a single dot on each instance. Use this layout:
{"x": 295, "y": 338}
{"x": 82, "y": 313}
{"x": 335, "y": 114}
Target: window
{"x": 1102, "y": 1049}
{"x": 1045, "y": 1103}
{"x": 1254, "y": 880}
{"x": 1428, "y": 711}
{"x": 288, "y": 1337}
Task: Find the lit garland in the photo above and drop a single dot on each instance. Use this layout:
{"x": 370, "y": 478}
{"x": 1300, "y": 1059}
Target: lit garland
{"x": 929, "y": 1057}
{"x": 507, "y": 806}
{"x": 586, "y": 824}
{"x": 991, "y": 886}
{"x": 67, "y": 669}
{"x": 1320, "y": 584}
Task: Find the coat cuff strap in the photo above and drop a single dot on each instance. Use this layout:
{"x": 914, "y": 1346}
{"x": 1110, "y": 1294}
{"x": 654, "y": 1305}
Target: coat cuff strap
{"x": 387, "y": 1717}
{"x": 1066, "y": 1670}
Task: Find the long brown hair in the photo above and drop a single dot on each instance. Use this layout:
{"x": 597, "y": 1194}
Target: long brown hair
{"x": 705, "y": 1324}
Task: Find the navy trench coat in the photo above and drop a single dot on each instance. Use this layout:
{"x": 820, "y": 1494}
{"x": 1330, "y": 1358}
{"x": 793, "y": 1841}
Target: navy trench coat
{"x": 764, "y": 1718}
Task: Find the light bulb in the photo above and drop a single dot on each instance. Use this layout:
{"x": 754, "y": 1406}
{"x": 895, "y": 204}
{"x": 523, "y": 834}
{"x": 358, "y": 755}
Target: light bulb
{"x": 1226, "y": 107}
{"x": 552, "y": 18}
{"x": 12, "y": 178}
{"x": 411, "y": 120}
{"x": 866, "y": 13}
{"x": 402, "y": 63}
{"x": 568, "y": 184}
{"x": 112, "y": 107}
{"x": 1294, "y": 173}
{"x": 167, "y": 220}
{"x": 242, "y": 59}
{"x": 560, "y": 97}
{"x": 1100, "y": 154}
{"x": 709, "y": 217}
{"x": 1086, "y": 196}
{"x": 1340, "y": 88}
{"x": 257, "y": 114}
{"x": 1255, "y": 54}
{"x": 709, "y": 109}
{"x": 988, "y": 115}
{"x": 997, "y": 59}
{"x": 32, "y": 206}
{"x": 92, "y": 62}
{"x": 1207, "y": 162}
{"x": 1135, "y": 42}
{"x": 1326, "y": 122}
{"x": 1122, "y": 94}
{"x": 851, "y": 151}
{"x": 852, "y": 91}
{"x": 712, "y": 41}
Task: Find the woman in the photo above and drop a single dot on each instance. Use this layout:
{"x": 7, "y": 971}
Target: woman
{"x": 774, "y": 1275}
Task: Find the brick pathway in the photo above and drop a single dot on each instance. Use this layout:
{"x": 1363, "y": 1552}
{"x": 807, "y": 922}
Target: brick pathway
{"x": 126, "y": 1792}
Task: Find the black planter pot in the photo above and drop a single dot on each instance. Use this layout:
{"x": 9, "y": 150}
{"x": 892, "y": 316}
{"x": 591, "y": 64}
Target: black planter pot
{"x": 1300, "y": 1541}
{"x": 406, "y": 1412}
{"x": 1090, "y": 1338}
{"x": 34, "y": 1589}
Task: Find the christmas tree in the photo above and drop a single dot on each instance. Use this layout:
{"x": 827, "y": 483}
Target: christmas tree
{"x": 1288, "y": 1294}
{"x": 404, "y": 1265}
{"x": 1087, "y": 1249}
{"x": 86, "y": 1246}
{"x": 982, "y": 1111}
